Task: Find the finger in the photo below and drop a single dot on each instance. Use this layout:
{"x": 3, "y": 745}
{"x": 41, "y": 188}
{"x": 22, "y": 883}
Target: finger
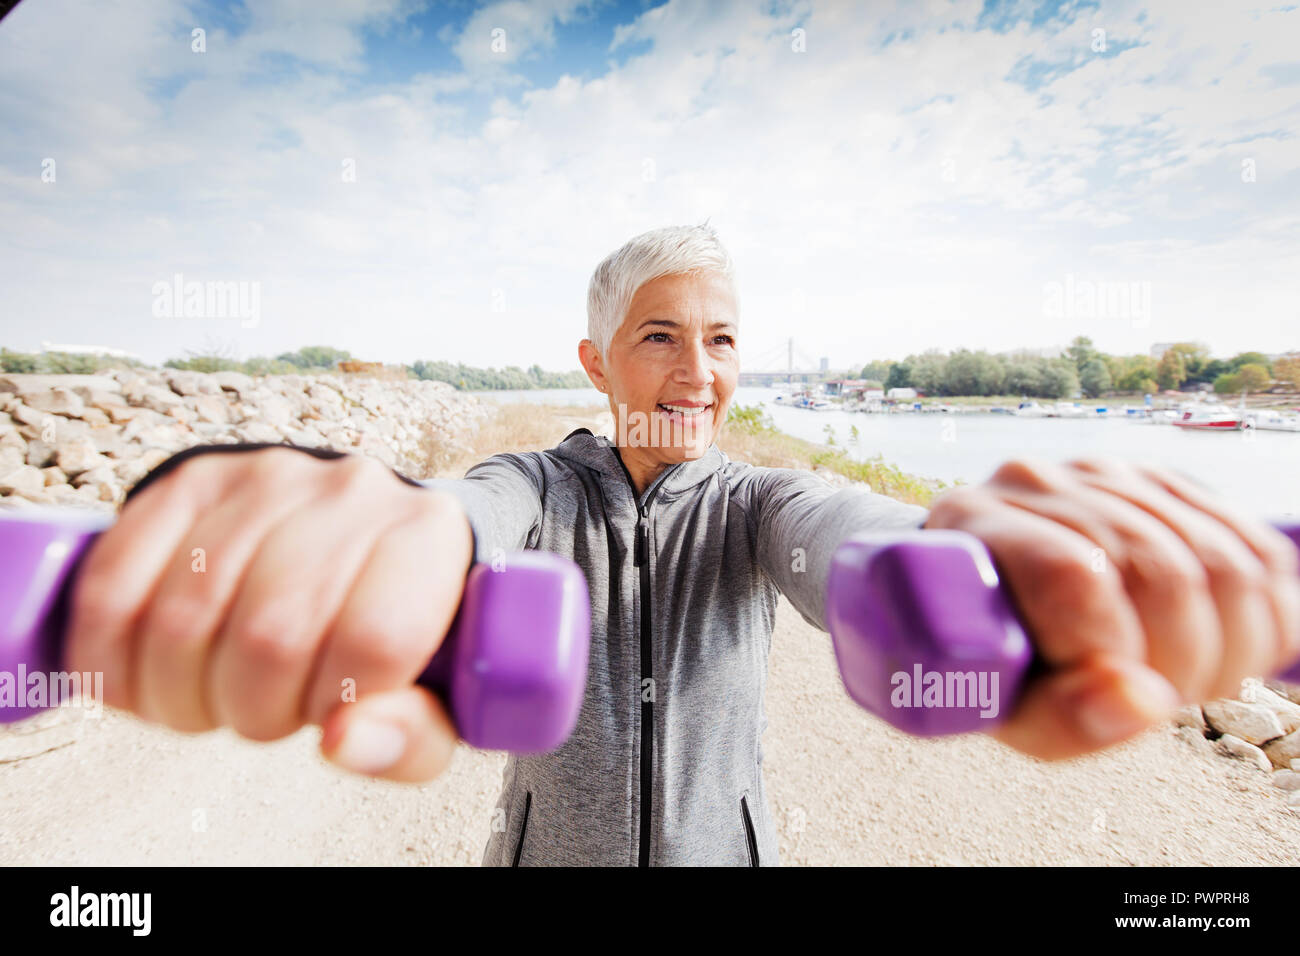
{"x": 1162, "y": 577}
{"x": 1235, "y": 577}
{"x": 1096, "y": 704}
{"x": 180, "y": 627}
{"x": 292, "y": 589}
{"x": 1073, "y": 607}
{"x": 1275, "y": 549}
{"x": 121, "y": 571}
{"x": 396, "y": 614}
{"x": 405, "y": 735}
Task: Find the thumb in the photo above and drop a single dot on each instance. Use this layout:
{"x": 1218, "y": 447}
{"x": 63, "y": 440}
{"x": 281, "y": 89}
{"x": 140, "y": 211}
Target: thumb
{"x": 1090, "y": 706}
{"x": 403, "y": 735}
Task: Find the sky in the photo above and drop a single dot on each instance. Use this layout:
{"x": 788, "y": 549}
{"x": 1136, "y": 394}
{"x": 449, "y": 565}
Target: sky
{"x": 411, "y": 180}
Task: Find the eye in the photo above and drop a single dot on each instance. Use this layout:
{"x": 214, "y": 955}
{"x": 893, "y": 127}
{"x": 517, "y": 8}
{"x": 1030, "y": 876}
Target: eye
{"x": 726, "y": 338}
{"x": 653, "y": 334}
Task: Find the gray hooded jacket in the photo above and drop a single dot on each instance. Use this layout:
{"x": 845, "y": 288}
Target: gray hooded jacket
{"x": 665, "y": 765}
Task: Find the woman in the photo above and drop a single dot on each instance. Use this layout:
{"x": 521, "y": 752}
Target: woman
{"x": 684, "y": 553}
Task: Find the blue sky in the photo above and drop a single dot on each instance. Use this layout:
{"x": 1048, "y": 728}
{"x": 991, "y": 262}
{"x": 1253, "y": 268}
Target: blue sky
{"x": 889, "y": 177}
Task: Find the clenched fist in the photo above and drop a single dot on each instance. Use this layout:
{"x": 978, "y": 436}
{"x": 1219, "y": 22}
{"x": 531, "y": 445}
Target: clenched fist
{"x": 252, "y": 589}
{"x": 1142, "y": 591}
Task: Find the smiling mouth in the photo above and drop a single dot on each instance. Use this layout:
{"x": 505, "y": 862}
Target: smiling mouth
{"x": 683, "y": 414}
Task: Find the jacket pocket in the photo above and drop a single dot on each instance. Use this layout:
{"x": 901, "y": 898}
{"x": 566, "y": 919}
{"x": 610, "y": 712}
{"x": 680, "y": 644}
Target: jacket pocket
{"x": 523, "y": 827}
{"x": 750, "y": 841}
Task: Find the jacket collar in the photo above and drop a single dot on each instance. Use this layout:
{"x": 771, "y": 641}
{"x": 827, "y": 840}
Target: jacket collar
{"x": 598, "y": 453}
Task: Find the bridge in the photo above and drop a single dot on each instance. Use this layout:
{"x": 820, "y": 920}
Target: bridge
{"x": 784, "y": 363}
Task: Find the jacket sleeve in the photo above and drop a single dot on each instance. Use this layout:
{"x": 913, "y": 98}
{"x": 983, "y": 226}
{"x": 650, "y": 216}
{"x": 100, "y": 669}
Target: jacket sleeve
{"x": 502, "y": 498}
{"x": 800, "y": 521}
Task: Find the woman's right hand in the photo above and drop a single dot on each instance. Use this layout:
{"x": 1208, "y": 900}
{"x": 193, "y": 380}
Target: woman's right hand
{"x": 268, "y": 589}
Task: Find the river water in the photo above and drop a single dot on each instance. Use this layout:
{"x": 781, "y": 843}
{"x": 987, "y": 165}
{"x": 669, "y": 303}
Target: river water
{"x": 1259, "y": 469}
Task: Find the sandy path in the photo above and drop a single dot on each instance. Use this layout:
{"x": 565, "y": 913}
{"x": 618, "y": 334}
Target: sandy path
{"x": 844, "y": 787}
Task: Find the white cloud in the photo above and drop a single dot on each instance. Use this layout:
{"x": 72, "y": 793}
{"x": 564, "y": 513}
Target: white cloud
{"x": 912, "y": 196}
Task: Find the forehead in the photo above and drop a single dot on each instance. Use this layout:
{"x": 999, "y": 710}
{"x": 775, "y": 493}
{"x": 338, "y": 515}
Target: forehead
{"x": 706, "y": 297}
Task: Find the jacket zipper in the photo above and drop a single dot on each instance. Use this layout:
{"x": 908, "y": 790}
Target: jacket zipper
{"x": 641, "y": 559}
{"x": 519, "y": 847}
{"x": 750, "y": 841}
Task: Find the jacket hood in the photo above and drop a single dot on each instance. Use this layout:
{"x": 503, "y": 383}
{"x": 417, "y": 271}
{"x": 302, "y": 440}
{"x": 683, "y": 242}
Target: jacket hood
{"x": 598, "y": 453}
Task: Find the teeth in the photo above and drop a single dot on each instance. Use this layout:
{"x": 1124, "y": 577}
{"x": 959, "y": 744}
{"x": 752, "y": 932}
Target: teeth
{"x": 688, "y": 412}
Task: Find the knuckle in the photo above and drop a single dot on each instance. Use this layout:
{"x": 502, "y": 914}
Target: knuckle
{"x": 1166, "y": 572}
{"x": 100, "y": 600}
{"x": 1024, "y": 473}
{"x": 1236, "y": 574}
{"x": 1067, "y": 578}
{"x": 1279, "y": 554}
{"x": 353, "y": 471}
{"x": 957, "y": 504}
{"x": 381, "y": 647}
{"x": 269, "y": 638}
{"x": 173, "y": 617}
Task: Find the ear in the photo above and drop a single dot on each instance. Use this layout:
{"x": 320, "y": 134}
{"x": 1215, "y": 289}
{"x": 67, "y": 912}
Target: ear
{"x": 593, "y": 365}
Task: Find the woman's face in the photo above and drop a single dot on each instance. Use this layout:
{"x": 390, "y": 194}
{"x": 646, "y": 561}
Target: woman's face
{"x": 672, "y": 367}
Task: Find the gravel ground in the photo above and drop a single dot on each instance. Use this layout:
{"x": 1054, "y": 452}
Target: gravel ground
{"x": 845, "y": 789}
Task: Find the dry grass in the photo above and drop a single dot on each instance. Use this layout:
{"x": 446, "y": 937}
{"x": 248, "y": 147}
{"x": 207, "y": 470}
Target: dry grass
{"x": 745, "y": 437}
{"x": 508, "y": 428}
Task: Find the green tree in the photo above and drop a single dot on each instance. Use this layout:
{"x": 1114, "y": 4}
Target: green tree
{"x": 1242, "y": 359}
{"x": 315, "y": 356}
{"x": 17, "y": 361}
{"x": 1094, "y": 377}
{"x": 1060, "y": 380}
{"x": 900, "y": 376}
{"x": 1171, "y": 372}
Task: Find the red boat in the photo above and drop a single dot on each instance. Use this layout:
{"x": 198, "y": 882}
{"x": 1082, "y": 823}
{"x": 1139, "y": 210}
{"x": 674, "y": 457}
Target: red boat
{"x": 1212, "y": 417}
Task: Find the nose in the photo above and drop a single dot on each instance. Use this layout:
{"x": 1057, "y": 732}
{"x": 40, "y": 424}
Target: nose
{"x": 696, "y": 366}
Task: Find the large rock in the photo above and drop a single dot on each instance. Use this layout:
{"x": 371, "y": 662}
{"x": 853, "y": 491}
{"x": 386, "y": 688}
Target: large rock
{"x": 236, "y": 382}
{"x": 1283, "y": 750}
{"x": 23, "y": 480}
{"x": 56, "y": 401}
{"x": 1253, "y": 723}
{"x": 39, "y": 453}
{"x": 1231, "y": 746}
{"x": 22, "y": 384}
{"x": 78, "y": 455}
{"x": 1288, "y": 714}
{"x": 209, "y": 408}
{"x": 154, "y": 397}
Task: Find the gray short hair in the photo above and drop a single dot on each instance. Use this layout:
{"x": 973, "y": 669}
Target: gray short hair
{"x": 676, "y": 250}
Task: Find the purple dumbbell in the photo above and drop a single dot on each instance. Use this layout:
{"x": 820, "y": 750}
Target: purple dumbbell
{"x": 926, "y": 635}
{"x": 512, "y": 668}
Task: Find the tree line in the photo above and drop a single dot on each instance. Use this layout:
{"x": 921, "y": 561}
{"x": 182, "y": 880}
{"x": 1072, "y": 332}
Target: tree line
{"x": 311, "y": 359}
{"x": 1082, "y": 369}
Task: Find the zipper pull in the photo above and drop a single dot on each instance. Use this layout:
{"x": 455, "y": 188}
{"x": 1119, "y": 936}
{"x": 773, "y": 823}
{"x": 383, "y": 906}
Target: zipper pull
{"x": 641, "y": 552}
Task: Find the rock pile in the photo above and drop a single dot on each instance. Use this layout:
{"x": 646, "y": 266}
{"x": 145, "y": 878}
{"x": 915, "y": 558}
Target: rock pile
{"x": 1261, "y": 728}
{"x": 85, "y": 440}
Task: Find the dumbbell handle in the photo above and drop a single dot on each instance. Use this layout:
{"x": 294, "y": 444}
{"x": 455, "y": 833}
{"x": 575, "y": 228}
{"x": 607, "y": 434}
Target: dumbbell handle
{"x": 926, "y": 633}
{"x": 512, "y": 667}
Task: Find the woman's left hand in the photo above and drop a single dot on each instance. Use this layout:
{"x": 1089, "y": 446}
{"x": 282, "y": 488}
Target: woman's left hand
{"x": 1142, "y": 590}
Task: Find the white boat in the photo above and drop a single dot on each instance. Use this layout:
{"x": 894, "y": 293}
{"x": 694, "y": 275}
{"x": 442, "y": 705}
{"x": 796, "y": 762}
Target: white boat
{"x": 1031, "y": 410}
{"x": 1070, "y": 410}
{"x": 1208, "y": 416}
{"x": 1273, "y": 421}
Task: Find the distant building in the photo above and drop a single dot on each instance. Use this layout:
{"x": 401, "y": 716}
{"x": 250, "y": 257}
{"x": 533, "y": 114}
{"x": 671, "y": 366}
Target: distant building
{"x": 825, "y": 364}
{"x": 902, "y": 393}
{"x": 88, "y": 350}
{"x": 1160, "y": 348}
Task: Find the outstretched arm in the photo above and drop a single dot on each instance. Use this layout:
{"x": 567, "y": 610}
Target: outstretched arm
{"x": 801, "y": 519}
{"x": 502, "y": 497}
